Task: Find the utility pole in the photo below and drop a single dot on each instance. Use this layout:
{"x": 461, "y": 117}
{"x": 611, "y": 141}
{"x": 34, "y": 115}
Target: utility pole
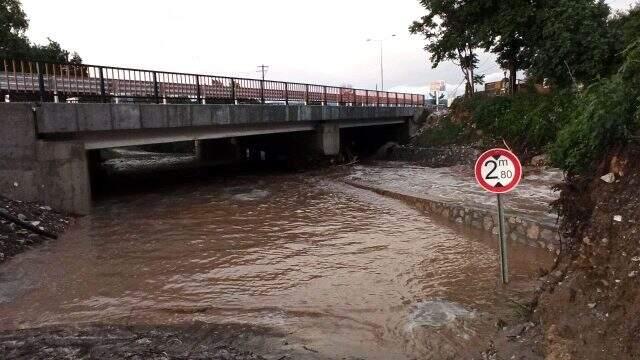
{"x": 263, "y": 69}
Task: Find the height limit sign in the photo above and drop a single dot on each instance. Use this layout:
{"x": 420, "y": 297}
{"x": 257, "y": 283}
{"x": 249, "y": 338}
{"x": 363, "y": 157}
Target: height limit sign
{"x": 499, "y": 171}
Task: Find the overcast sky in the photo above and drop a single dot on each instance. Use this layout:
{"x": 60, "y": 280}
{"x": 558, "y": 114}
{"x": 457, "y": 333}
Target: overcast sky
{"x": 317, "y": 42}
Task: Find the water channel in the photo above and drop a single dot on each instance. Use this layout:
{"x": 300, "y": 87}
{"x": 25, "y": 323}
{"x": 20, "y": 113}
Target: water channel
{"x": 344, "y": 271}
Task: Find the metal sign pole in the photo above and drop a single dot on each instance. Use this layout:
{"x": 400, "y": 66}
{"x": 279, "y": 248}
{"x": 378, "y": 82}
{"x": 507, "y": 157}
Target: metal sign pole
{"x": 504, "y": 264}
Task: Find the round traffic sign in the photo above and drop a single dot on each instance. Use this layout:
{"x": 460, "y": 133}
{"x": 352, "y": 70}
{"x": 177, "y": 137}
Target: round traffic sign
{"x": 498, "y": 171}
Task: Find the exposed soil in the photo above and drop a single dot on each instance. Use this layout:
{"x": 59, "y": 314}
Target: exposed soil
{"x": 589, "y": 307}
{"x": 15, "y": 239}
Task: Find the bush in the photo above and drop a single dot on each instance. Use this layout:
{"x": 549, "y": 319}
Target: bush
{"x": 607, "y": 116}
{"x": 527, "y": 122}
{"x": 446, "y": 132}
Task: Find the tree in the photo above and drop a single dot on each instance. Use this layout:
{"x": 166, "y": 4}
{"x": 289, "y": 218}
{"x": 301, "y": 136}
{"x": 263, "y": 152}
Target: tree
{"x": 574, "y": 44}
{"x": 15, "y": 45}
{"x": 51, "y": 52}
{"x": 13, "y": 24}
{"x": 75, "y": 59}
{"x": 452, "y": 32}
{"x": 510, "y": 29}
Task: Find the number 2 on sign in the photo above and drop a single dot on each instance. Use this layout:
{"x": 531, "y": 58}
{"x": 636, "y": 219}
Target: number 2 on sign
{"x": 504, "y": 174}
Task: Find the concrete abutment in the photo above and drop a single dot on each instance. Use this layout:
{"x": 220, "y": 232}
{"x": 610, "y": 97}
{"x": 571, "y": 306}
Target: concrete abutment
{"x": 52, "y": 172}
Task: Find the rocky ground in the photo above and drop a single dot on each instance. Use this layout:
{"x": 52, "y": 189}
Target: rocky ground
{"x": 15, "y": 238}
{"x": 199, "y": 341}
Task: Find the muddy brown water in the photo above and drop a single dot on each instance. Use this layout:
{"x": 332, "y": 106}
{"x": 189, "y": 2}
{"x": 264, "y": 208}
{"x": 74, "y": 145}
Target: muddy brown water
{"x": 344, "y": 271}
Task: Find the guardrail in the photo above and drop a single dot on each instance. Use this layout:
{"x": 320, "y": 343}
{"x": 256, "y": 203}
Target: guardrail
{"x": 24, "y": 80}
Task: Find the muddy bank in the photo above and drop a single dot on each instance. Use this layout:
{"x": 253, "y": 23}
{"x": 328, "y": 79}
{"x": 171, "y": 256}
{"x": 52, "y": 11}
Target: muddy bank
{"x": 40, "y": 220}
{"x": 590, "y": 305}
{"x": 197, "y": 341}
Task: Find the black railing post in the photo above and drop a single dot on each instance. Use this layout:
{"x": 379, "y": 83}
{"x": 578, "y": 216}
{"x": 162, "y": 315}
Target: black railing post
{"x": 324, "y": 94}
{"x": 355, "y": 98}
{"x": 103, "y": 91}
{"x": 262, "y": 91}
{"x": 233, "y": 91}
{"x": 377, "y": 98}
{"x": 366, "y": 97}
{"x": 286, "y": 93}
{"x": 40, "y": 82}
{"x": 340, "y": 97}
{"x": 156, "y": 91}
{"x": 198, "y": 95}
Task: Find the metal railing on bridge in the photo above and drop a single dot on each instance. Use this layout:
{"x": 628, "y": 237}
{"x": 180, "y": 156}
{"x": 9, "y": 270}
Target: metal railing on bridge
{"x": 23, "y": 80}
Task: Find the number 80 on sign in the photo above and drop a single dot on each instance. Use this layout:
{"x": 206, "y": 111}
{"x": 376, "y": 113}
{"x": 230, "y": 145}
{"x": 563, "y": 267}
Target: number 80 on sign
{"x": 498, "y": 171}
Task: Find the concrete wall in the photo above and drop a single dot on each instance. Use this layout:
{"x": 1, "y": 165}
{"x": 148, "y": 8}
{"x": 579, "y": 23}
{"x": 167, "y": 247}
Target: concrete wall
{"x": 54, "y": 173}
{"x": 66, "y": 118}
{"x": 518, "y": 228}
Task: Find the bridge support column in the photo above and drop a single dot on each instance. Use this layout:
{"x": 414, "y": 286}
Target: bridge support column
{"x": 328, "y": 139}
{"x": 49, "y": 172}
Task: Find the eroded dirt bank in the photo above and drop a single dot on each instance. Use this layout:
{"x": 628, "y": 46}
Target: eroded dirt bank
{"x": 590, "y": 305}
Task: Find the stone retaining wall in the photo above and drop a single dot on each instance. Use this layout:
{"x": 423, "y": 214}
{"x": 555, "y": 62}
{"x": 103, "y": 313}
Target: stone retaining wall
{"x": 434, "y": 156}
{"x": 518, "y": 228}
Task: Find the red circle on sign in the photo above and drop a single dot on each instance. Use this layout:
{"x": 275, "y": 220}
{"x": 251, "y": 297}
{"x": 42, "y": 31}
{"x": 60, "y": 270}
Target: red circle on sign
{"x": 497, "y": 153}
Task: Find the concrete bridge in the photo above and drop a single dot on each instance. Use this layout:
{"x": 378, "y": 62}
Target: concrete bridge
{"x": 45, "y": 147}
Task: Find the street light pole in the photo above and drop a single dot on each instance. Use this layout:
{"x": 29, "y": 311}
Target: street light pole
{"x": 381, "y": 41}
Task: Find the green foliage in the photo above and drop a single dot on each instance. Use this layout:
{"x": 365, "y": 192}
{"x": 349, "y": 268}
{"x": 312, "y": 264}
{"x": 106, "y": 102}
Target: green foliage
{"x": 574, "y": 43}
{"x": 15, "y": 45}
{"x": 445, "y": 133}
{"x": 51, "y": 52}
{"x": 452, "y": 31}
{"x": 526, "y": 121}
{"x": 608, "y": 114}
{"x": 13, "y": 24}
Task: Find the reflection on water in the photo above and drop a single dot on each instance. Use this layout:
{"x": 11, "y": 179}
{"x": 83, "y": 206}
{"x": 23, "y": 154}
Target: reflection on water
{"x": 344, "y": 270}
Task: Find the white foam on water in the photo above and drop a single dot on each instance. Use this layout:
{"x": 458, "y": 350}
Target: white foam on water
{"x": 437, "y": 313}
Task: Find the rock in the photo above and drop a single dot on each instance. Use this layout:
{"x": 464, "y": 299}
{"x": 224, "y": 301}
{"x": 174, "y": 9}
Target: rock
{"x": 609, "y": 178}
{"x": 617, "y": 218}
{"x": 386, "y": 149}
{"x": 22, "y": 217}
{"x": 540, "y": 160}
{"x": 143, "y": 341}
{"x": 35, "y": 223}
{"x": 633, "y": 274}
{"x": 533, "y": 232}
{"x": 15, "y": 184}
{"x": 546, "y": 234}
{"x": 591, "y": 305}
{"x": 487, "y": 223}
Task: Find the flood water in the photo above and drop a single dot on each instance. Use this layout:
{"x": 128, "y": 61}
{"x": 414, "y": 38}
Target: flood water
{"x": 344, "y": 271}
